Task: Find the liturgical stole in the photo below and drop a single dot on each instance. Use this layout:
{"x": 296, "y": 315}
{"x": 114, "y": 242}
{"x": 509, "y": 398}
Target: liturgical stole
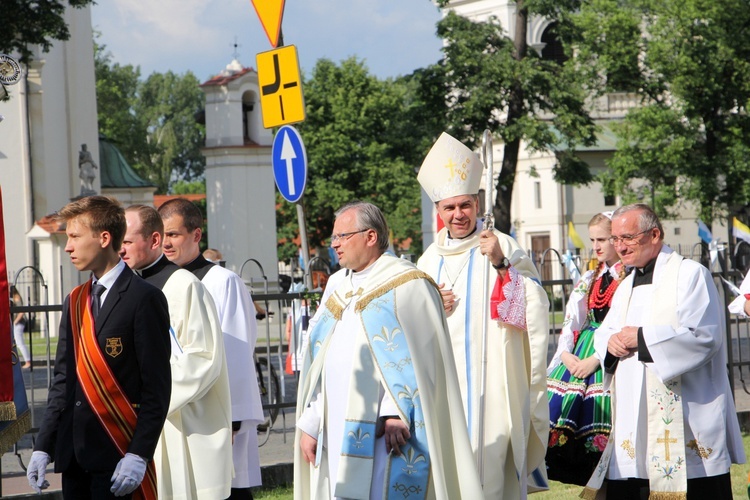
{"x": 666, "y": 463}
{"x": 406, "y": 475}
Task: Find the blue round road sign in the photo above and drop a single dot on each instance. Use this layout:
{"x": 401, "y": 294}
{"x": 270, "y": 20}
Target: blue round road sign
{"x": 289, "y": 163}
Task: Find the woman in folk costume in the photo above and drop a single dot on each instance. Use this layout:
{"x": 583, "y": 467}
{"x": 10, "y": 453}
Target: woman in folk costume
{"x": 580, "y": 412}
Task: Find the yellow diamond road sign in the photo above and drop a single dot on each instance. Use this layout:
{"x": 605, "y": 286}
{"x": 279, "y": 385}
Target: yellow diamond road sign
{"x": 270, "y": 13}
{"x": 281, "y": 98}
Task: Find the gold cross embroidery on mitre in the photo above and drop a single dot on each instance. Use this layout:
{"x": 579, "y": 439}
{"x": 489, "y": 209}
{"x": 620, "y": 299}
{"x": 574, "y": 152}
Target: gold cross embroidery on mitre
{"x": 450, "y": 166}
{"x": 666, "y": 440}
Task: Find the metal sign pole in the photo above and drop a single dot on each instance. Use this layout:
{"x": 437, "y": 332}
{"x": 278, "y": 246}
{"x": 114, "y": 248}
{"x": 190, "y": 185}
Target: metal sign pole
{"x": 305, "y": 245}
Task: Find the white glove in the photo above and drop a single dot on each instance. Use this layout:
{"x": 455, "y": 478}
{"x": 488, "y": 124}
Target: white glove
{"x": 37, "y": 470}
{"x": 128, "y": 474}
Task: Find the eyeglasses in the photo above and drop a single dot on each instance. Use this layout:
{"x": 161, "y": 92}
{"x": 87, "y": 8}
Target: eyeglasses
{"x": 345, "y": 236}
{"x": 628, "y": 240}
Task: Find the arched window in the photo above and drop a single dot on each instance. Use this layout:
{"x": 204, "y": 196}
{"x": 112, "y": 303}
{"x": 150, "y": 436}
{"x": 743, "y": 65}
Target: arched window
{"x": 553, "y": 48}
{"x": 248, "y": 127}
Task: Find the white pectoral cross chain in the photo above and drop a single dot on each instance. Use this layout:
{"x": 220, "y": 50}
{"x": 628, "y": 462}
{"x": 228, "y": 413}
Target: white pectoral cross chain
{"x": 463, "y": 266}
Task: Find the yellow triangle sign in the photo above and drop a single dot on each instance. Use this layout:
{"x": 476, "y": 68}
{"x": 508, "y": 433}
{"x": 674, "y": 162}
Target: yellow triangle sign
{"x": 270, "y": 13}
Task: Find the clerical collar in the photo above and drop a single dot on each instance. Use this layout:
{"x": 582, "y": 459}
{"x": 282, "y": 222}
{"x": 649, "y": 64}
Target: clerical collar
{"x": 644, "y": 275}
{"x": 143, "y": 270}
{"x": 358, "y": 277}
{"x": 199, "y": 263}
{"x": 155, "y": 267}
{"x": 450, "y": 240}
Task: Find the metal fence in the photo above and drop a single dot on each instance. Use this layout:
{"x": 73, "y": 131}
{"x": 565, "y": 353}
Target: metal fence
{"x": 725, "y": 277}
{"x": 279, "y": 388}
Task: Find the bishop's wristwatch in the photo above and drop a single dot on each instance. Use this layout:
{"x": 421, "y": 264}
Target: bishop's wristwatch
{"x": 504, "y": 264}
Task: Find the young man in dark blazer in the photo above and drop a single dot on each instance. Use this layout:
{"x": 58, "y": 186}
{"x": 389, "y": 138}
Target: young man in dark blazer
{"x": 110, "y": 394}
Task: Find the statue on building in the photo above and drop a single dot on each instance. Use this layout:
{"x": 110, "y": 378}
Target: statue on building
{"x": 86, "y": 167}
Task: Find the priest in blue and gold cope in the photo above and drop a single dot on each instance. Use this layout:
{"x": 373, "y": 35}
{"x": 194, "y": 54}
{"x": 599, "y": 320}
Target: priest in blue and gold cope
{"x": 379, "y": 412}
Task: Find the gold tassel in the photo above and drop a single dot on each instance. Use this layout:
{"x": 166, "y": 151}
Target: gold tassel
{"x": 15, "y": 431}
{"x": 7, "y": 411}
{"x": 335, "y": 308}
{"x": 667, "y": 495}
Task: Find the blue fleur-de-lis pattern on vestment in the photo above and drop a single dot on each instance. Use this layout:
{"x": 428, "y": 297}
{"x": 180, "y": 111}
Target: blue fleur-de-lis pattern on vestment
{"x": 320, "y": 332}
{"x": 359, "y": 439}
{"x": 388, "y": 337}
{"x": 410, "y": 471}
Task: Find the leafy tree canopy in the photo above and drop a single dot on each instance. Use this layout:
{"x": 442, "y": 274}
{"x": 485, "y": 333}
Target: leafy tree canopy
{"x": 24, "y": 24}
{"x": 192, "y": 187}
{"x": 152, "y": 121}
{"x": 691, "y": 138}
{"x": 494, "y": 82}
{"x": 364, "y": 140}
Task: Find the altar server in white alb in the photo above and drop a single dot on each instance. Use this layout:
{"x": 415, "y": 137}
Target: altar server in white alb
{"x": 675, "y": 432}
{"x": 379, "y": 409}
{"x": 182, "y": 236}
{"x": 194, "y": 454}
{"x": 516, "y": 417}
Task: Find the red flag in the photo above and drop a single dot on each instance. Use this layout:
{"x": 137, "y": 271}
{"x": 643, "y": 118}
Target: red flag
{"x": 7, "y": 406}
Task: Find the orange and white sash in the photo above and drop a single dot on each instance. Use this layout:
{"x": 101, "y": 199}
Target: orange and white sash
{"x": 104, "y": 394}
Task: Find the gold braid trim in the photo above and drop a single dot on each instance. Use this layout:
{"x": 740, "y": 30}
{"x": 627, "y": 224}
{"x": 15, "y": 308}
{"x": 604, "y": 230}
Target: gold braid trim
{"x": 667, "y": 495}
{"x": 7, "y": 411}
{"x": 390, "y": 285}
{"x": 333, "y": 305}
{"x": 15, "y": 431}
{"x": 588, "y": 493}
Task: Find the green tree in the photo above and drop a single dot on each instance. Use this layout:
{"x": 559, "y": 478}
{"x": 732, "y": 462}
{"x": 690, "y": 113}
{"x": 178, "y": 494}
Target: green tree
{"x": 192, "y": 187}
{"x": 362, "y": 143}
{"x": 501, "y": 84}
{"x": 690, "y": 139}
{"x": 166, "y": 107}
{"x": 116, "y": 95}
{"x": 152, "y": 121}
{"x": 24, "y": 24}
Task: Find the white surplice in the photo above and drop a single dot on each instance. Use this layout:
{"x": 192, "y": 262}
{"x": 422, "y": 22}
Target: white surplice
{"x": 694, "y": 351}
{"x": 193, "y": 456}
{"x": 516, "y": 423}
{"x": 237, "y": 316}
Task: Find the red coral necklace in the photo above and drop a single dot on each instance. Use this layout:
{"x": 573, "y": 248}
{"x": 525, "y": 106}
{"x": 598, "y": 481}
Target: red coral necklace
{"x": 599, "y": 299}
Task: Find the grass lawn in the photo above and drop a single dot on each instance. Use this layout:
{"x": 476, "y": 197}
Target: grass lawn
{"x": 39, "y": 346}
{"x": 275, "y": 494}
{"x": 739, "y": 473}
{"x": 557, "y": 491}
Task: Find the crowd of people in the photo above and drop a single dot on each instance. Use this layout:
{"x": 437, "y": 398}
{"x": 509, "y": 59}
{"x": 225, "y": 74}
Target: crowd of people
{"x": 416, "y": 381}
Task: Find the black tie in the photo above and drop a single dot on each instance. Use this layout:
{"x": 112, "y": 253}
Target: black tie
{"x": 97, "y": 290}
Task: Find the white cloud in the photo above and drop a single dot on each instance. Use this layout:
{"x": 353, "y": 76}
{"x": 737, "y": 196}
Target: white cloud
{"x": 393, "y": 36}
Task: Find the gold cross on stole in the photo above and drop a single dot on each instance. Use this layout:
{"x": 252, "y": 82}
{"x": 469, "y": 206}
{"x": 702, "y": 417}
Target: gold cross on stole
{"x": 666, "y": 442}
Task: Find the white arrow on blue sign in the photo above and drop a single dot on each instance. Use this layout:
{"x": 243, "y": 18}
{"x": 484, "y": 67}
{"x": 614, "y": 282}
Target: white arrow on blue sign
{"x": 289, "y": 160}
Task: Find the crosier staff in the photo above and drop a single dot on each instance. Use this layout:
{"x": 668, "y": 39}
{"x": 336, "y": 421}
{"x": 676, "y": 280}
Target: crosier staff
{"x": 488, "y": 225}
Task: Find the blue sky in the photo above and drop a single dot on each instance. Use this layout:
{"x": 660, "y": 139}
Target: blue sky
{"x": 393, "y": 37}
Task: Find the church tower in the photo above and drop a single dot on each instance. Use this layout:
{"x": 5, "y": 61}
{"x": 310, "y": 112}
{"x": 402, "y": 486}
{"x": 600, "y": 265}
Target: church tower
{"x": 240, "y": 189}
